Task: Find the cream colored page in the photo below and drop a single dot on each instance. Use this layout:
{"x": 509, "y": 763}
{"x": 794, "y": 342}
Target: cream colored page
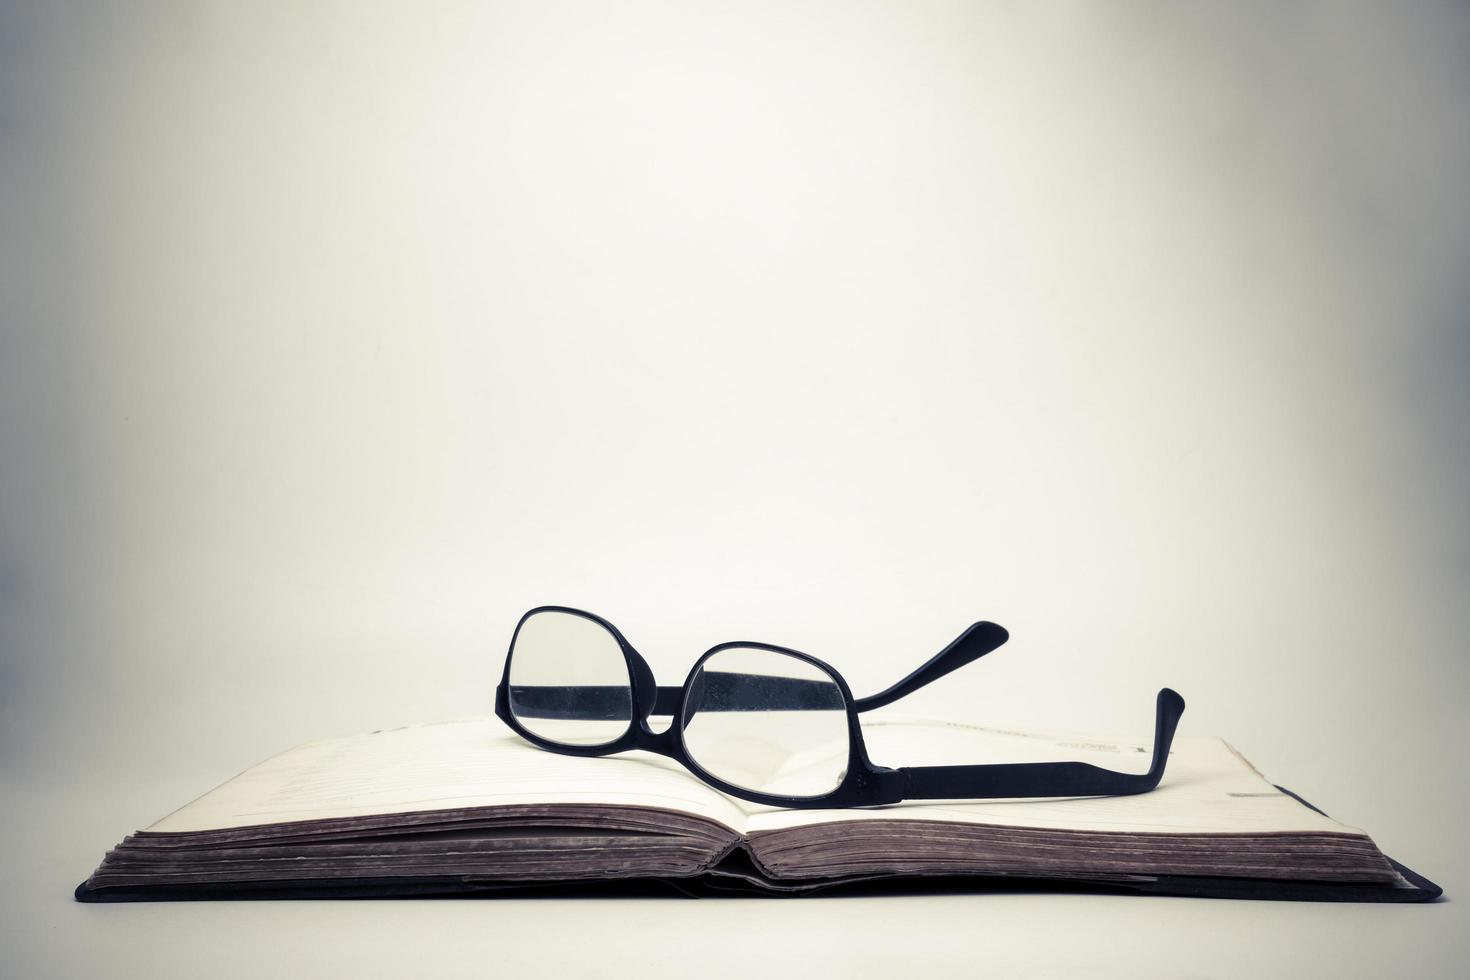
{"x": 441, "y": 766}
{"x": 1207, "y": 787}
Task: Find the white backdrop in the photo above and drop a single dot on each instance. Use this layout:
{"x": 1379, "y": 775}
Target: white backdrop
{"x": 335, "y": 337}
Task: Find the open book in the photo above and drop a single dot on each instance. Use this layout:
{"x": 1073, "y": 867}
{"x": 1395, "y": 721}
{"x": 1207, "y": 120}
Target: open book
{"x": 467, "y": 806}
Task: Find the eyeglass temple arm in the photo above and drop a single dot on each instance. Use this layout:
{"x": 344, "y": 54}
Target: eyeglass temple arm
{"x": 1031, "y": 779}
{"x": 969, "y": 646}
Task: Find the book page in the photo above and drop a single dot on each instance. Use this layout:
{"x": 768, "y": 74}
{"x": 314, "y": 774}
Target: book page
{"x": 442, "y": 766}
{"x": 1207, "y": 788}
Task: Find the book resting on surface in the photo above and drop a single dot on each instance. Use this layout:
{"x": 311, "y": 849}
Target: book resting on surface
{"x": 466, "y": 806}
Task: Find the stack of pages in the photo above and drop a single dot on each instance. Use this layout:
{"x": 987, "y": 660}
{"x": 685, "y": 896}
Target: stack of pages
{"x": 467, "y": 806}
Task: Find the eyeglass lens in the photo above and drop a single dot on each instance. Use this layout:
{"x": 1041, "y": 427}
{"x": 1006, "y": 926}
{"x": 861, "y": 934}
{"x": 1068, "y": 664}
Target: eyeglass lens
{"x": 569, "y": 681}
{"x": 768, "y": 722}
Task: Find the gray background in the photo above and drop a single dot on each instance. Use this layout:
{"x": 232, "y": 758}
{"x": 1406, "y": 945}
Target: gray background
{"x": 332, "y": 337}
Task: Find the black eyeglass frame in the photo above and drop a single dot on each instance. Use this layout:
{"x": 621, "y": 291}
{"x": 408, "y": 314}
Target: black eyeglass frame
{"x": 864, "y": 783}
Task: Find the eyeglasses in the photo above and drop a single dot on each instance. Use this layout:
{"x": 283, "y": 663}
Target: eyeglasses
{"x": 764, "y": 723}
